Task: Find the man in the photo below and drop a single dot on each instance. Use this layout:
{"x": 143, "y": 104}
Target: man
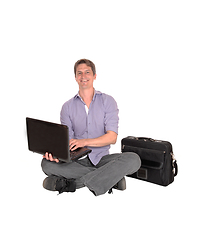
{"x": 92, "y": 119}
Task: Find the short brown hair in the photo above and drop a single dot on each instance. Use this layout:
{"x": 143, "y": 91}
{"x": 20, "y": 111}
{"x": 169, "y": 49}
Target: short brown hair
{"x": 87, "y": 62}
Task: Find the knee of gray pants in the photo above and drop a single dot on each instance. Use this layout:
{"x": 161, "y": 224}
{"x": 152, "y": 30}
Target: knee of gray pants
{"x": 44, "y": 165}
{"x": 133, "y": 160}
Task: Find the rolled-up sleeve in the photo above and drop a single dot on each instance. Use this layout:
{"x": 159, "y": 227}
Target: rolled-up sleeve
{"x": 65, "y": 119}
{"x": 111, "y": 120}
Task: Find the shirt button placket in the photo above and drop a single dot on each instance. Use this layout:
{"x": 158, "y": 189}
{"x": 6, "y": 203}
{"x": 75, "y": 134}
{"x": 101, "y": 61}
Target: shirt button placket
{"x": 88, "y": 124}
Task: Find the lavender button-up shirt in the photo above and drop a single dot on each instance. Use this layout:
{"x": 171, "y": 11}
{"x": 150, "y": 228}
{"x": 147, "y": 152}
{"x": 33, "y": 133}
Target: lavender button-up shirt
{"x": 102, "y": 117}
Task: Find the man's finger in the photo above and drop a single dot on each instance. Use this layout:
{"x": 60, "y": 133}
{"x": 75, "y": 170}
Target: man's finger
{"x": 46, "y": 156}
{"x": 50, "y": 157}
{"x": 73, "y": 147}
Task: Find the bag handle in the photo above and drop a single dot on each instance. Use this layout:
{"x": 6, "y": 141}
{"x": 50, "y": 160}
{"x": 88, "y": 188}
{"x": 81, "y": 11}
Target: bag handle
{"x": 145, "y": 139}
{"x": 174, "y": 165}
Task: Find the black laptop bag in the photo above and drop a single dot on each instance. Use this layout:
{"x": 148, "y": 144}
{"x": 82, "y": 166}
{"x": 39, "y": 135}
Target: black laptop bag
{"x": 158, "y": 163}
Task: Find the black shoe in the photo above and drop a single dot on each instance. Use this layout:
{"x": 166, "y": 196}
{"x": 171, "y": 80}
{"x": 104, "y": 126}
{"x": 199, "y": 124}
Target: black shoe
{"x": 61, "y": 184}
{"x": 121, "y": 185}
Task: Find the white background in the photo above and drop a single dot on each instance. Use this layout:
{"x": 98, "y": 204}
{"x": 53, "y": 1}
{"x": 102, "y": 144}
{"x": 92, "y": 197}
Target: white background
{"x": 147, "y": 55}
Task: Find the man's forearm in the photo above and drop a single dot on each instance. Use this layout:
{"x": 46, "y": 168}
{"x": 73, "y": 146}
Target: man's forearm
{"x": 109, "y": 138}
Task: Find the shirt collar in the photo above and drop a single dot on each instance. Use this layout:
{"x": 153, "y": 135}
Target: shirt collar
{"x": 95, "y": 93}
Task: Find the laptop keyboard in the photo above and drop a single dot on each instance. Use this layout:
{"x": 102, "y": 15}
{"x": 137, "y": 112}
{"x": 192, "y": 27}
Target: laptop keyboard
{"x": 74, "y": 153}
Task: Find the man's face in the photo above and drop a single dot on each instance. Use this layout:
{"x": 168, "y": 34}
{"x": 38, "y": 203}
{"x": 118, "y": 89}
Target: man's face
{"x": 84, "y": 76}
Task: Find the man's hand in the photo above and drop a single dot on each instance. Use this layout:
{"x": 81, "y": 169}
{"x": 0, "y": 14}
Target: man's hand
{"x": 49, "y": 157}
{"x": 76, "y": 143}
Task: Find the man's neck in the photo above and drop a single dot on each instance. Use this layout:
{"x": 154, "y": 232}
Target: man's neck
{"x": 87, "y": 95}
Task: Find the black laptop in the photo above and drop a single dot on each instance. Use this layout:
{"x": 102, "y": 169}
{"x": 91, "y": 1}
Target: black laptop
{"x": 52, "y": 138}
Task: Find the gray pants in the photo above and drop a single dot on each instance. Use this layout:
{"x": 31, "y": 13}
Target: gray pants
{"x": 100, "y": 178}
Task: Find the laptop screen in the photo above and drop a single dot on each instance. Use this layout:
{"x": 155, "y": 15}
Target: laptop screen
{"x": 48, "y": 137}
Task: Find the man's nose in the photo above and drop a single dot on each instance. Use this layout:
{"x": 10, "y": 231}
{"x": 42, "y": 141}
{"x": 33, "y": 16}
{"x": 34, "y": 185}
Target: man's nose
{"x": 83, "y": 75}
